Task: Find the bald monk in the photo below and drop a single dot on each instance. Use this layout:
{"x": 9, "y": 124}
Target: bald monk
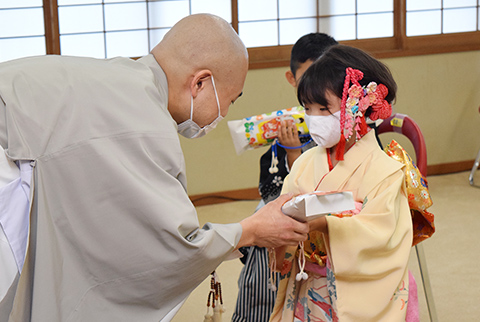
{"x": 112, "y": 234}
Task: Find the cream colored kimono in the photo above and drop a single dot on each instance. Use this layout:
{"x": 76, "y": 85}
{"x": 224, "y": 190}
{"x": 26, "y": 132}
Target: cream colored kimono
{"x": 368, "y": 252}
{"x": 113, "y": 235}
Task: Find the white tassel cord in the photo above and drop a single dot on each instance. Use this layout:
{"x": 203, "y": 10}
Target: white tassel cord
{"x": 302, "y": 275}
{"x": 273, "y": 165}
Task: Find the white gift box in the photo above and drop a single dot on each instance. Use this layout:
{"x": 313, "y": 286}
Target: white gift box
{"x": 316, "y": 204}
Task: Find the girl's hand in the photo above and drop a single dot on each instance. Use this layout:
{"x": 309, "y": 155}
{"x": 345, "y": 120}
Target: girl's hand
{"x": 319, "y": 224}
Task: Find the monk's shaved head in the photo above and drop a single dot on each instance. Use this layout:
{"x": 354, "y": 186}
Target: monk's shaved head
{"x": 200, "y": 43}
{"x": 204, "y": 41}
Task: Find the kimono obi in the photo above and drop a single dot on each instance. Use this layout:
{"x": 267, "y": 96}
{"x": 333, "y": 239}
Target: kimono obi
{"x": 417, "y": 192}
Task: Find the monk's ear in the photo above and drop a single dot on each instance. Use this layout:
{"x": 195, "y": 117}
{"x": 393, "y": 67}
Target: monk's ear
{"x": 291, "y": 78}
{"x": 197, "y": 83}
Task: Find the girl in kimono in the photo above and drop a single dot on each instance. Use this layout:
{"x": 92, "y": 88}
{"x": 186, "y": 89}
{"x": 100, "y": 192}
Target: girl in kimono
{"x": 256, "y": 296}
{"x": 353, "y": 266}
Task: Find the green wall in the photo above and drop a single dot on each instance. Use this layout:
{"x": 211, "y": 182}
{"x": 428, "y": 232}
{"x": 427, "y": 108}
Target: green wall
{"x": 441, "y": 92}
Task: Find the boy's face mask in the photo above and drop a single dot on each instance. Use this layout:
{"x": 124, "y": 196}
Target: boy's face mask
{"x": 192, "y": 130}
{"x": 325, "y": 130}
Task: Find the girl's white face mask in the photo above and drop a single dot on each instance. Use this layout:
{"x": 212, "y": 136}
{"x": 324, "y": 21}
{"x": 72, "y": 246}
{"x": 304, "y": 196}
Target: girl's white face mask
{"x": 324, "y": 129}
{"x": 192, "y": 130}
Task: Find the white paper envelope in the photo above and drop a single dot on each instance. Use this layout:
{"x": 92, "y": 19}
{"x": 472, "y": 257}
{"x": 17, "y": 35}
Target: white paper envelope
{"x": 313, "y": 205}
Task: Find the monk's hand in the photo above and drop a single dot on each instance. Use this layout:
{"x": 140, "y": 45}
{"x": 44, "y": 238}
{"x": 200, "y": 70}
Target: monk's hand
{"x": 270, "y": 227}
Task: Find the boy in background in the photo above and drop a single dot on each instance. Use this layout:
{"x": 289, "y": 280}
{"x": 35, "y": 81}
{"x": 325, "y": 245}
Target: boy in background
{"x": 256, "y": 296}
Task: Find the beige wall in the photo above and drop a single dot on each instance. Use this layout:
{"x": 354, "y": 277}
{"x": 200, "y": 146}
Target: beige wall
{"x": 441, "y": 92}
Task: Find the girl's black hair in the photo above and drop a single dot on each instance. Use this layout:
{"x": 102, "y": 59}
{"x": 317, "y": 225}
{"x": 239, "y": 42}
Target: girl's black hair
{"x": 329, "y": 71}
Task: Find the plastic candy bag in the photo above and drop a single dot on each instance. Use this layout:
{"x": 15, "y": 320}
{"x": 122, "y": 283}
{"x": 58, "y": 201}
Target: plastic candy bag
{"x": 261, "y": 130}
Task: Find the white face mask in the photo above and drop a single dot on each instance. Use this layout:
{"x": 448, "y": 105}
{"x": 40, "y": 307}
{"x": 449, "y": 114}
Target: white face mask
{"x": 192, "y": 130}
{"x": 324, "y": 129}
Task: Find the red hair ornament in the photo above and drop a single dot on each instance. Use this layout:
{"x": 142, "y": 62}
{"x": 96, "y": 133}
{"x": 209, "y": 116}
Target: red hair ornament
{"x": 356, "y": 99}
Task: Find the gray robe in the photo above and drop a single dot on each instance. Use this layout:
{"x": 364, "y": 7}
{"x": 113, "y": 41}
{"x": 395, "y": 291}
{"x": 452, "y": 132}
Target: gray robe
{"x": 113, "y": 234}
